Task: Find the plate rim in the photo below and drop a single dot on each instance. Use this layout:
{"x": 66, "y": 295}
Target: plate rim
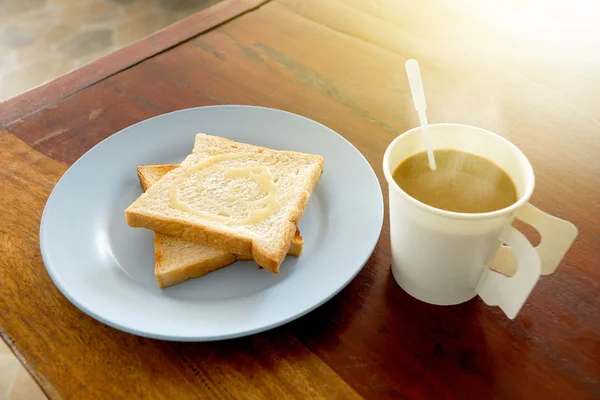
{"x": 52, "y": 272}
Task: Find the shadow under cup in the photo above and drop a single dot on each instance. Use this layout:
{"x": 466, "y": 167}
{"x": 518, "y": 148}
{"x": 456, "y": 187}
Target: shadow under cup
{"x": 438, "y": 256}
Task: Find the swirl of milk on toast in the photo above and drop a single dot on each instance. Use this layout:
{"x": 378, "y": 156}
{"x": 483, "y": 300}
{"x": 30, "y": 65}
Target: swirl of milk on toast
{"x": 245, "y": 195}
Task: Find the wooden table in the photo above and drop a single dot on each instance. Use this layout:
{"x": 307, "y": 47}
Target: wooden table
{"x": 528, "y": 73}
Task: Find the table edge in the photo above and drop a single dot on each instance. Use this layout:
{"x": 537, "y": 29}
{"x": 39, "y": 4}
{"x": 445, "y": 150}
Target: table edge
{"x": 89, "y": 74}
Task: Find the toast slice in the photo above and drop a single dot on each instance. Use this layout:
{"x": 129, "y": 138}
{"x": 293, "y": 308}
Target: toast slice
{"x": 148, "y": 175}
{"x": 237, "y": 197}
{"x": 178, "y": 260}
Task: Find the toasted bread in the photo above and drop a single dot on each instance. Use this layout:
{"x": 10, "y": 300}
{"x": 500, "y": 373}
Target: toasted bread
{"x": 148, "y": 175}
{"x": 174, "y": 207}
{"x": 178, "y": 260}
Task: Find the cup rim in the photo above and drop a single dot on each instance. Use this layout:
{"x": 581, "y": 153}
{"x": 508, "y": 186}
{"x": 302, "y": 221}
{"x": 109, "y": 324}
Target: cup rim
{"x": 453, "y": 214}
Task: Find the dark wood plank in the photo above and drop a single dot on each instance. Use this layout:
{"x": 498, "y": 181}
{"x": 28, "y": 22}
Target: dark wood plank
{"x": 79, "y": 79}
{"x": 340, "y": 63}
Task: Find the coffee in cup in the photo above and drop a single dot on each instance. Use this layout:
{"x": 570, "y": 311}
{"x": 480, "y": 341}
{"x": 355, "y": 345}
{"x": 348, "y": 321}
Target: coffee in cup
{"x": 462, "y": 182}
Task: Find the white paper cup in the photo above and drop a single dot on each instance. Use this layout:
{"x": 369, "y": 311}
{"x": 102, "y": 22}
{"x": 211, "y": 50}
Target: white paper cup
{"x": 443, "y": 257}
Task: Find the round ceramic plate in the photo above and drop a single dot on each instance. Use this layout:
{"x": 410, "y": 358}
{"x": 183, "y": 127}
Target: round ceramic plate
{"x": 106, "y": 268}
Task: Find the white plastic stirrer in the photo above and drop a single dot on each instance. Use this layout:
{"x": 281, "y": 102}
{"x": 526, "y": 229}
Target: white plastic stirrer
{"x": 418, "y": 95}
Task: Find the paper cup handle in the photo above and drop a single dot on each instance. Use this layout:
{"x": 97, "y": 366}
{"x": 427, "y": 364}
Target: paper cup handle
{"x": 557, "y": 237}
{"x": 520, "y": 260}
{"x": 510, "y": 293}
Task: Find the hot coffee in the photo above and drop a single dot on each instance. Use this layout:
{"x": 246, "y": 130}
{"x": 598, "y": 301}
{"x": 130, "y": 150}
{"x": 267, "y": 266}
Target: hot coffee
{"x": 463, "y": 182}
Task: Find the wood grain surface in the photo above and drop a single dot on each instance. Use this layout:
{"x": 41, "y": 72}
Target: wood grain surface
{"x": 520, "y": 69}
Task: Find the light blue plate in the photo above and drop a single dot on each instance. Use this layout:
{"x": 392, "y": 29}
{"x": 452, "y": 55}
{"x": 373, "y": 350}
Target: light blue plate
{"x": 106, "y": 268}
